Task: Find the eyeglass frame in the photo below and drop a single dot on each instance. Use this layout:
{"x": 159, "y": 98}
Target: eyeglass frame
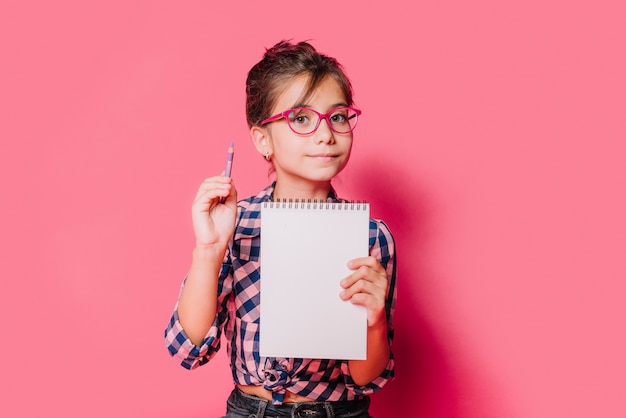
{"x": 321, "y": 116}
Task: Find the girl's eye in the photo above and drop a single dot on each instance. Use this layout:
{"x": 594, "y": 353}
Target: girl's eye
{"x": 339, "y": 117}
{"x": 300, "y": 118}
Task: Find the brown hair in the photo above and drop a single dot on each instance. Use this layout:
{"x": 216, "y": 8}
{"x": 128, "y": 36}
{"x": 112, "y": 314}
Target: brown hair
{"x": 282, "y": 63}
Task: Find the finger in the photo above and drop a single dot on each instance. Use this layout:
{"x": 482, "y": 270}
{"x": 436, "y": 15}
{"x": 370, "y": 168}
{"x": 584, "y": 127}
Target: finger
{"x": 368, "y": 301}
{"x": 205, "y": 198}
{"x": 375, "y": 307}
{"x": 369, "y": 261}
{"x": 348, "y": 292}
{"x": 232, "y": 195}
{"x": 370, "y": 297}
{"x": 363, "y": 287}
{"x": 366, "y": 273}
{"x": 214, "y": 182}
{"x": 216, "y": 179}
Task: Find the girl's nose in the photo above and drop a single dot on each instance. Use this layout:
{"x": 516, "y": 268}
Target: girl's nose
{"x": 324, "y": 134}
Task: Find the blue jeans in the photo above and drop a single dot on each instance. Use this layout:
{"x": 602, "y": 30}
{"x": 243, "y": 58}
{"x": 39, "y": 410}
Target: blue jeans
{"x": 241, "y": 405}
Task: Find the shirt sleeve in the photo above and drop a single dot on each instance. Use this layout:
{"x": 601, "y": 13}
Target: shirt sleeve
{"x": 178, "y": 343}
{"x": 382, "y": 246}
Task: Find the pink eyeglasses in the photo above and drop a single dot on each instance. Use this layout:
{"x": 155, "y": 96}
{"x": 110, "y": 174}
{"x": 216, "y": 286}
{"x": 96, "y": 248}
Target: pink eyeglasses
{"x": 305, "y": 121}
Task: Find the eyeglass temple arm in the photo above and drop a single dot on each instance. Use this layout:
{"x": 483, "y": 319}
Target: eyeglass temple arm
{"x": 272, "y": 119}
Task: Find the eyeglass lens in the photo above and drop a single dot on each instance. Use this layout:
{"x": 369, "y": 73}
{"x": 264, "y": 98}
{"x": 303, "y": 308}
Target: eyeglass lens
{"x": 305, "y": 121}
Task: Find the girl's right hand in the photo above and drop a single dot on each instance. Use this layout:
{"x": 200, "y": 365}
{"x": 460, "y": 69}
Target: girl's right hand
{"x": 214, "y": 222}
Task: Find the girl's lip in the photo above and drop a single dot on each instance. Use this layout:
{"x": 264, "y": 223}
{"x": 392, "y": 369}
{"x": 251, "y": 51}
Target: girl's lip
{"x": 324, "y": 155}
{"x": 325, "y": 158}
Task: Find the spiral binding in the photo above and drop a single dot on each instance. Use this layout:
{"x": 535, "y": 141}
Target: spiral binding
{"x": 316, "y": 204}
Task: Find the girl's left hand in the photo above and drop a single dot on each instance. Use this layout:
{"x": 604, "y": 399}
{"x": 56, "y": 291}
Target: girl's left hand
{"x": 367, "y": 286}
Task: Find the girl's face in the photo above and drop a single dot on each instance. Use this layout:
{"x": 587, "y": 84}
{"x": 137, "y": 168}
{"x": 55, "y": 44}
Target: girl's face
{"x": 306, "y": 163}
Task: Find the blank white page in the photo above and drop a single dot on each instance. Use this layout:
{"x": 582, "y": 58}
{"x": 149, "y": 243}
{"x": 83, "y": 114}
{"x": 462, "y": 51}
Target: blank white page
{"x": 305, "y": 247}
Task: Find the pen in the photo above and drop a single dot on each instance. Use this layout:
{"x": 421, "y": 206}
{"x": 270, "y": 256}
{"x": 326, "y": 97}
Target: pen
{"x": 229, "y": 164}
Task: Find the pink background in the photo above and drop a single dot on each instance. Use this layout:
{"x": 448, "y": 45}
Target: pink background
{"x": 492, "y": 141}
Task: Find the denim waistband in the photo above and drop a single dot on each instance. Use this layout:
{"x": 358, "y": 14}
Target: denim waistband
{"x": 252, "y": 406}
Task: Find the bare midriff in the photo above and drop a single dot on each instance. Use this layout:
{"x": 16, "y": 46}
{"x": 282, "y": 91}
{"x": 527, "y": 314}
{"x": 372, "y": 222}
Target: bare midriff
{"x": 261, "y": 392}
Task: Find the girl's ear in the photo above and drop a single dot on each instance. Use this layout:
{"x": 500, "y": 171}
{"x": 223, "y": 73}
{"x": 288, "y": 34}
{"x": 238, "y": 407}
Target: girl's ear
{"x": 261, "y": 140}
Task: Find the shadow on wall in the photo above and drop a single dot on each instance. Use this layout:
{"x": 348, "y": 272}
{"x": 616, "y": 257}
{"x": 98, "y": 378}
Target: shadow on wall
{"x": 424, "y": 385}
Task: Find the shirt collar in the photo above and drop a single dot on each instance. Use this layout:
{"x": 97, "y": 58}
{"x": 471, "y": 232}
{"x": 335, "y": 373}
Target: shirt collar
{"x": 268, "y": 194}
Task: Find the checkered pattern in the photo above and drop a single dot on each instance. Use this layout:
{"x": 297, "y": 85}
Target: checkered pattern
{"x": 238, "y": 318}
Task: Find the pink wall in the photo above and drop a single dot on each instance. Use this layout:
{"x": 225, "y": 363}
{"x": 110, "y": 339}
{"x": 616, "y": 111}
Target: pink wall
{"x": 492, "y": 141}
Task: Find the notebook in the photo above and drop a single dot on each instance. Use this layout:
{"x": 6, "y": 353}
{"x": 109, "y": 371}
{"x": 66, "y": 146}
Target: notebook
{"x": 305, "y": 246}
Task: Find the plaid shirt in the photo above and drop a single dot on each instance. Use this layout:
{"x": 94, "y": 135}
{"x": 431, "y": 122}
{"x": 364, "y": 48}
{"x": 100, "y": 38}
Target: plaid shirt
{"x": 238, "y": 317}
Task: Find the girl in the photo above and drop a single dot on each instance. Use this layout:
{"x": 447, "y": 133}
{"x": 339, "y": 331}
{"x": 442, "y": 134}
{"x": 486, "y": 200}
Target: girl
{"x": 301, "y": 119}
